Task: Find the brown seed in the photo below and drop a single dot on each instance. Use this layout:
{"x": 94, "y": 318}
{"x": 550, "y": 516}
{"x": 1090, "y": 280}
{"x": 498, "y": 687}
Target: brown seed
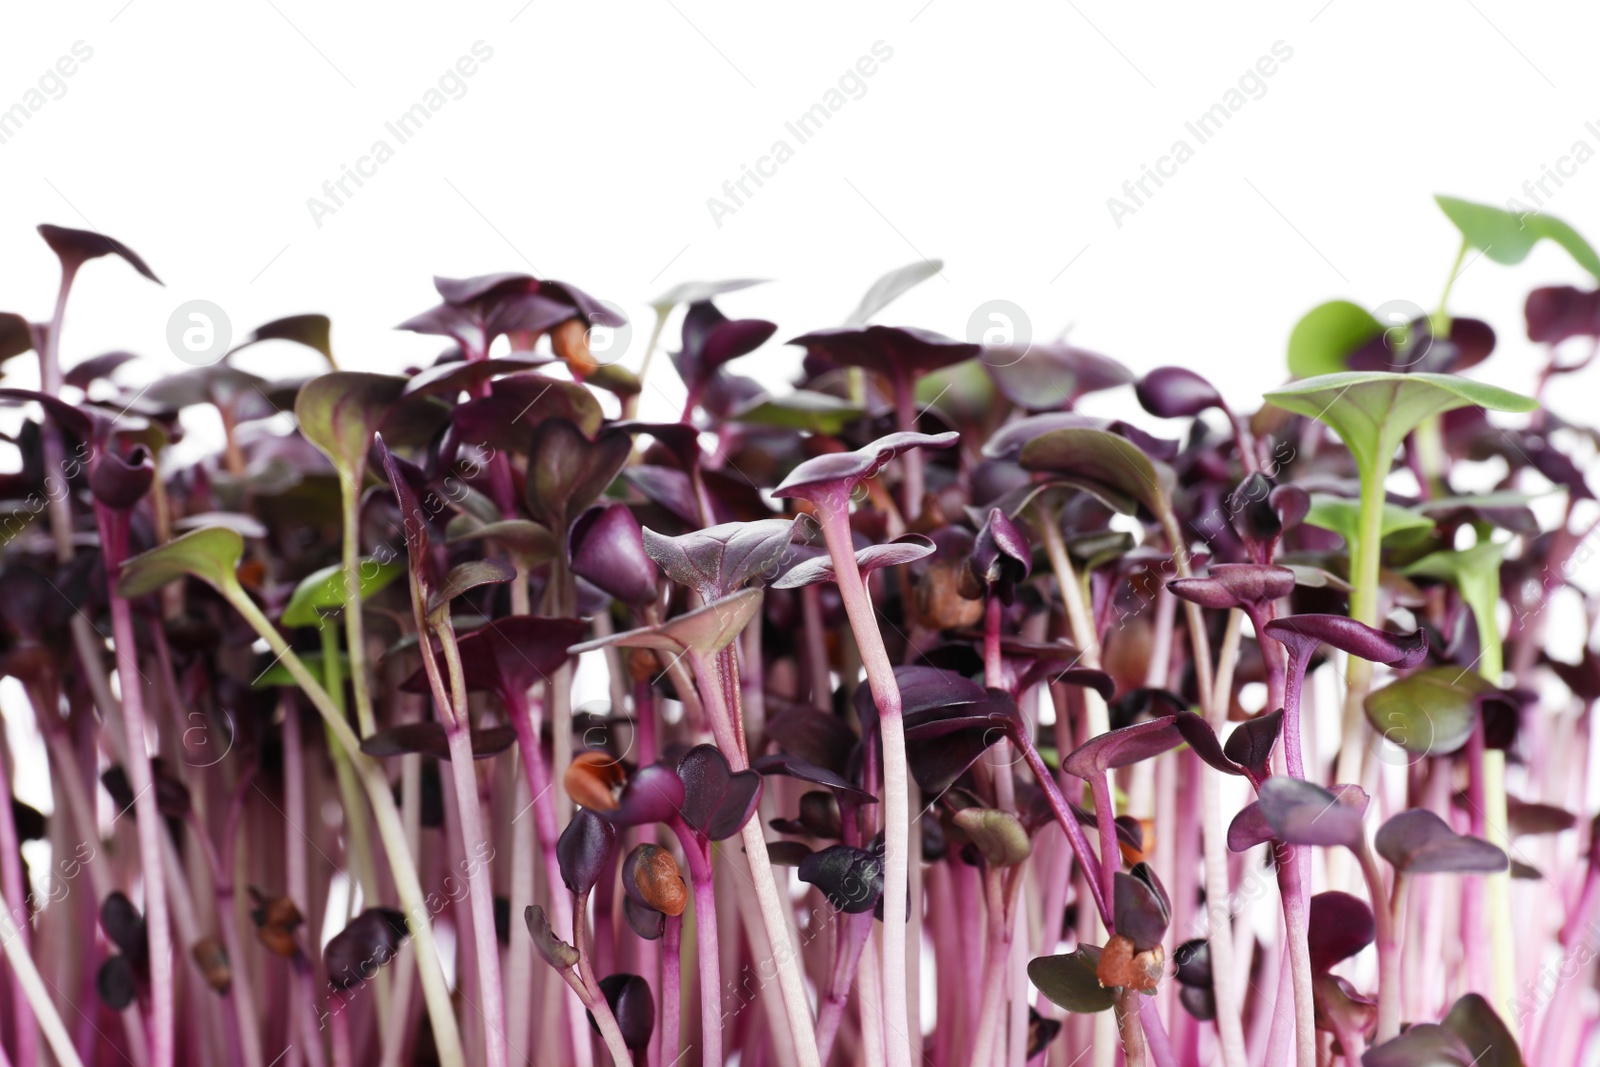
{"x": 939, "y": 599}
{"x": 276, "y": 920}
{"x": 659, "y": 881}
{"x": 570, "y": 342}
{"x": 1121, "y": 966}
{"x": 593, "y": 779}
{"x": 212, "y": 959}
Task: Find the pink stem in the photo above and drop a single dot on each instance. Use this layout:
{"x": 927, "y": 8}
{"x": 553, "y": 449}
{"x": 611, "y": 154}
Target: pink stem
{"x": 147, "y": 815}
{"x": 671, "y": 982}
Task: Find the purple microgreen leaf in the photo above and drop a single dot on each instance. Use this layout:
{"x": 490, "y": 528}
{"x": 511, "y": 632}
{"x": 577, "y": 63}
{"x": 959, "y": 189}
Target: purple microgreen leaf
{"x": 796, "y": 767}
{"x": 1071, "y": 981}
{"x": 632, "y": 1005}
{"x": 1485, "y": 1034}
{"x": 1302, "y": 633}
{"x": 1119, "y": 748}
{"x": 584, "y": 850}
{"x": 907, "y": 548}
{"x": 1422, "y": 1045}
{"x": 1175, "y": 393}
{"x": 1141, "y": 911}
{"x": 850, "y": 878}
{"x": 571, "y": 470}
{"x": 1235, "y": 585}
{"x": 652, "y": 794}
{"x": 717, "y": 560}
{"x": 76, "y": 247}
{"x": 340, "y": 413}
{"x": 470, "y": 575}
{"x": 833, "y": 475}
{"x": 1340, "y": 926}
{"x": 607, "y": 548}
{"x": 1304, "y": 813}
{"x": 1250, "y": 745}
{"x": 1419, "y": 842}
{"x": 371, "y": 940}
{"x": 718, "y": 801}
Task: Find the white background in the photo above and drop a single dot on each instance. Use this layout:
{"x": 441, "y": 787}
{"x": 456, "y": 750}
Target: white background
{"x": 587, "y": 147}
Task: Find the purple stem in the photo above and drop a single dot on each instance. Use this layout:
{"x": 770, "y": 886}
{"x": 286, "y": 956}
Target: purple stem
{"x": 1105, "y": 822}
{"x": 703, "y": 881}
{"x": 831, "y": 1013}
{"x": 835, "y": 520}
{"x": 114, "y": 549}
{"x": 23, "y": 1023}
{"x": 545, "y": 829}
{"x": 671, "y": 983}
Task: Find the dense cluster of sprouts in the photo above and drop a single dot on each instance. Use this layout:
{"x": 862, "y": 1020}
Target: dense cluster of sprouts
{"x": 945, "y": 722}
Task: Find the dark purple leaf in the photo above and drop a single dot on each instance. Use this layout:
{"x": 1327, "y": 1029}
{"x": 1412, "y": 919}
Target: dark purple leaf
{"x": 1141, "y": 913}
{"x": 717, "y": 560}
{"x": 633, "y": 1006}
{"x": 1304, "y": 813}
{"x": 449, "y": 379}
{"x": 1001, "y": 555}
{"x": 116, "y": 983}
{"x": 850, "y": 878}
{"x": 571, "y": 471}
{"x": 1419, "y": 842}
{"x": 893, "y": 351}
{"x": 1235, "y": 585}
{"x": 1050, "y": 374}
{"x": 1249, "y": 828}
{"x": 835, "y": 474}
{"x": 1119, "y": 748}
{"x": 1200, "y": 737}
{"x": 818, "y": 737}
{"x": 1192, "y": 963}
{"x": 76, "y": 247}
{"x": 907, "y": 548}
{"x": 1558, "y": 312}
{"x": 643, "y": 920}
{"x": 711, "y": 339}
{"x": 1176, "y": 392}
{"x": 1251, "y": 744}
{"x": 584, "y": 850}
{"x": 718, "y": 801}
{"x": 1304, "y": 632}
{"x": 370, "y": 940}
{"x": 1423, "y": 1045}
{"x": 82, "y": 375}
{"x": 120, "y": 483}
{"x": 123, "y": 925}
{"x": 1340, "y": 926}
{"x": 515, "y": 652}
{"x": 607, "y": 548}
{"x": 652, "y": 794}
{"x": 1485, "y": 1034}
{"x": 796, "y": 767}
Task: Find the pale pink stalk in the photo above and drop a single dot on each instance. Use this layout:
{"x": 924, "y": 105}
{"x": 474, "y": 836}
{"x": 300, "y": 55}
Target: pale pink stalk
{"x": 147, "y": 816}
{"x": 834, "y": 515}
